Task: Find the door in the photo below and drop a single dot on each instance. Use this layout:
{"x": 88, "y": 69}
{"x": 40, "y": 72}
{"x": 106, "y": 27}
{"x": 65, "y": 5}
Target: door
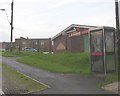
{"x": 96, "y": 51}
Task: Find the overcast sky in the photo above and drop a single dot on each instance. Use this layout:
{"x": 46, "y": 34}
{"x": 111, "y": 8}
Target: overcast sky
{"x": 46, "y": 18}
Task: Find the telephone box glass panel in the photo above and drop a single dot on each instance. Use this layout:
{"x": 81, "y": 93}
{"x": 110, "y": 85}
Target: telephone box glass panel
{"x": 97, "y": 51}
{"x": 110, "y": 50}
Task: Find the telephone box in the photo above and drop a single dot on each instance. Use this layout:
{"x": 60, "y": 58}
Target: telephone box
{"x": 102, "y": 49}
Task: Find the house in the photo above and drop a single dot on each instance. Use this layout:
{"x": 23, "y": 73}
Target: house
{"x": 21, "y": 43}
{"x": 74, "y": 38}
{"x": 5, "y": 46}
{"x": 41, "y": 45}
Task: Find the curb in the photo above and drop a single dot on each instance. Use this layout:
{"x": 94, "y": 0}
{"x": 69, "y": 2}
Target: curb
{"x": 34, "y": 79}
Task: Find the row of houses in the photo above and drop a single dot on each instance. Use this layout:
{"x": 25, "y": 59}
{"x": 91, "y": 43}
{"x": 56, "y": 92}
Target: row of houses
{"x": 41, "y": 45}
{"x": 74, "y": 38}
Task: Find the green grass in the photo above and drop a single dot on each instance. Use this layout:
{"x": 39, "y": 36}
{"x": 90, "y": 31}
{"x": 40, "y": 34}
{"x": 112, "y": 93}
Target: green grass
{"x": 25, "y": 82}
{"x": 63, "y": 63}
{"x": 0, "y": 53}
{"x": 110, "y": 78}
{"x": 16, "y": 53}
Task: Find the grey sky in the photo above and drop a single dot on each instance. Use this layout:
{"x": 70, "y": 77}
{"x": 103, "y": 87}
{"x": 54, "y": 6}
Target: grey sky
{"x": 46, "y": 18}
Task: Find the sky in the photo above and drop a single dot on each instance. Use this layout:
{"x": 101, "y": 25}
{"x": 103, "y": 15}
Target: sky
{"x": 46, "y": 18}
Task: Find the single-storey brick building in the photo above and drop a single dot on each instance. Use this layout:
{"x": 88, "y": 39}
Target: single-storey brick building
{"x": 74, "y": 38}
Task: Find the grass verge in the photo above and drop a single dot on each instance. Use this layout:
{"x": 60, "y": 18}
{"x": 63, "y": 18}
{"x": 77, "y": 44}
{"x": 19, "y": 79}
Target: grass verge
{"x": 16, "y": 53}
{"x": 63, "y": 63}
{"x": 0, "y": 53}
{"x": 22, "y": 81}
{"x": 110, "y": 78}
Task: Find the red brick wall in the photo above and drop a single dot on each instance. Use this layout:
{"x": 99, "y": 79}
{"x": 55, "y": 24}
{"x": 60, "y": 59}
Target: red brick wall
{"x": 77, "y": 44}
{"x": 59, "y": 44}
{"x": 75, "y": 41}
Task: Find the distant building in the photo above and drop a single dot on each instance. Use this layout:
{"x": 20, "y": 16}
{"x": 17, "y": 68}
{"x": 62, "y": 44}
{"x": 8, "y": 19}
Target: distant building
{"x": 21, "y": 43}
{"x": 72, "y": 39}
{"x": 5, "y": 46}
{"x": 41, "y": 45}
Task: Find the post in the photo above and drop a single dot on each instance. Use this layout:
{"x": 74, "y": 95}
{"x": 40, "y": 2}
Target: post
{"x": 66, "y": 48}
{"x": 50, "y": 45}
{"x": 117, "y": 31}
{"x": 38, "y": 46}
{"x": 11, "y": 37}
{"x": 117, "y": 18}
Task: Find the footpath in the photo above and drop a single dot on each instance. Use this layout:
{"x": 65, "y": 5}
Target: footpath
{"x": 113, "y": 87}
{"x": 59, "y": 83}
{"x": 1, "y": 92}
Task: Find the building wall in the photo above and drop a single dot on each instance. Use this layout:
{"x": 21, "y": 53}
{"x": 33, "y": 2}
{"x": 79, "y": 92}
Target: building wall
{"x": 59, "y": 44}
{"x": 22, "y": 43}
{"x": 77, "y": 44}
{"x": 77, "y": 41}
{"x": 5, "y": 45}
{"x": 86, "y": 42}
{"x": 41, "y": 45}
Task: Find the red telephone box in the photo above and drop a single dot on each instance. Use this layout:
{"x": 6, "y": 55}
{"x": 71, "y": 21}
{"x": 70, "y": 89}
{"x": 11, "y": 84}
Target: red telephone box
{"x": 102, "y": 49}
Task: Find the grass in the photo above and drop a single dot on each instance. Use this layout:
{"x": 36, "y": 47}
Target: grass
{"x": 27, "y": 83}
{"x": 110, "y": 78}
{"x": 113, "y": 77}
{"x": 63, "y": 63}
{"x": 0, "y": 71}
{"x": 0, "y": 53}
{"x": 16, "y": 53}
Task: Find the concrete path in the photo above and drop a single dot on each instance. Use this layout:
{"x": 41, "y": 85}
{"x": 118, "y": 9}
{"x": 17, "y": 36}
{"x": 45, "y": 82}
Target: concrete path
{"x": 1, "y": 92}
{"x": 59, "y": 83}
{"x": 112, "y": 87}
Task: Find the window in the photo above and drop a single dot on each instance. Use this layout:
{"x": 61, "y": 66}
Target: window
{"x": 42, "y": 43}
{"x": 109, "y": 41}
{"x": 36, "y": 43}
{"x": 23, "y": 42}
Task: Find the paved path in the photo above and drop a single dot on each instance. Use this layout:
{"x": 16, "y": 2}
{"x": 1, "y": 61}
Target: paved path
{"x": 112, "y": 87}
{"x": 1, "y": 92}
{"x": 59, "y": 83}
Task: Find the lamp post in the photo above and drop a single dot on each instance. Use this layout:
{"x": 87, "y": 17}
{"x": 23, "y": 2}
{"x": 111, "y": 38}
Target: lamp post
{"x": 11, "y": 24}
{"x": 11, "y": 44}
{"x": 117, "y": 31}
{"x": 117, "y": 19}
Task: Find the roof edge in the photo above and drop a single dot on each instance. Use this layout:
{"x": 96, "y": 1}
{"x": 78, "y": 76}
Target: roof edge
{"x": 72, "y": 25}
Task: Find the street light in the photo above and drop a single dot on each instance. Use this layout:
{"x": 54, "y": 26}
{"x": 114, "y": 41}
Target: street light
{"x": 11, "y": 23}
{"x": 6, "y": 14}
{"x": 2, "y": 9}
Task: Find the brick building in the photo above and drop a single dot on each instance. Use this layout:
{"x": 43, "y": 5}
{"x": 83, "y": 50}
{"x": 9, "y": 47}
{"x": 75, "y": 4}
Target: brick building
{"x": 41, "y": 45}
{"x": 74, "y": 38}
{"x": 5, "y": 46}
{"x": 21, "y": 43}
